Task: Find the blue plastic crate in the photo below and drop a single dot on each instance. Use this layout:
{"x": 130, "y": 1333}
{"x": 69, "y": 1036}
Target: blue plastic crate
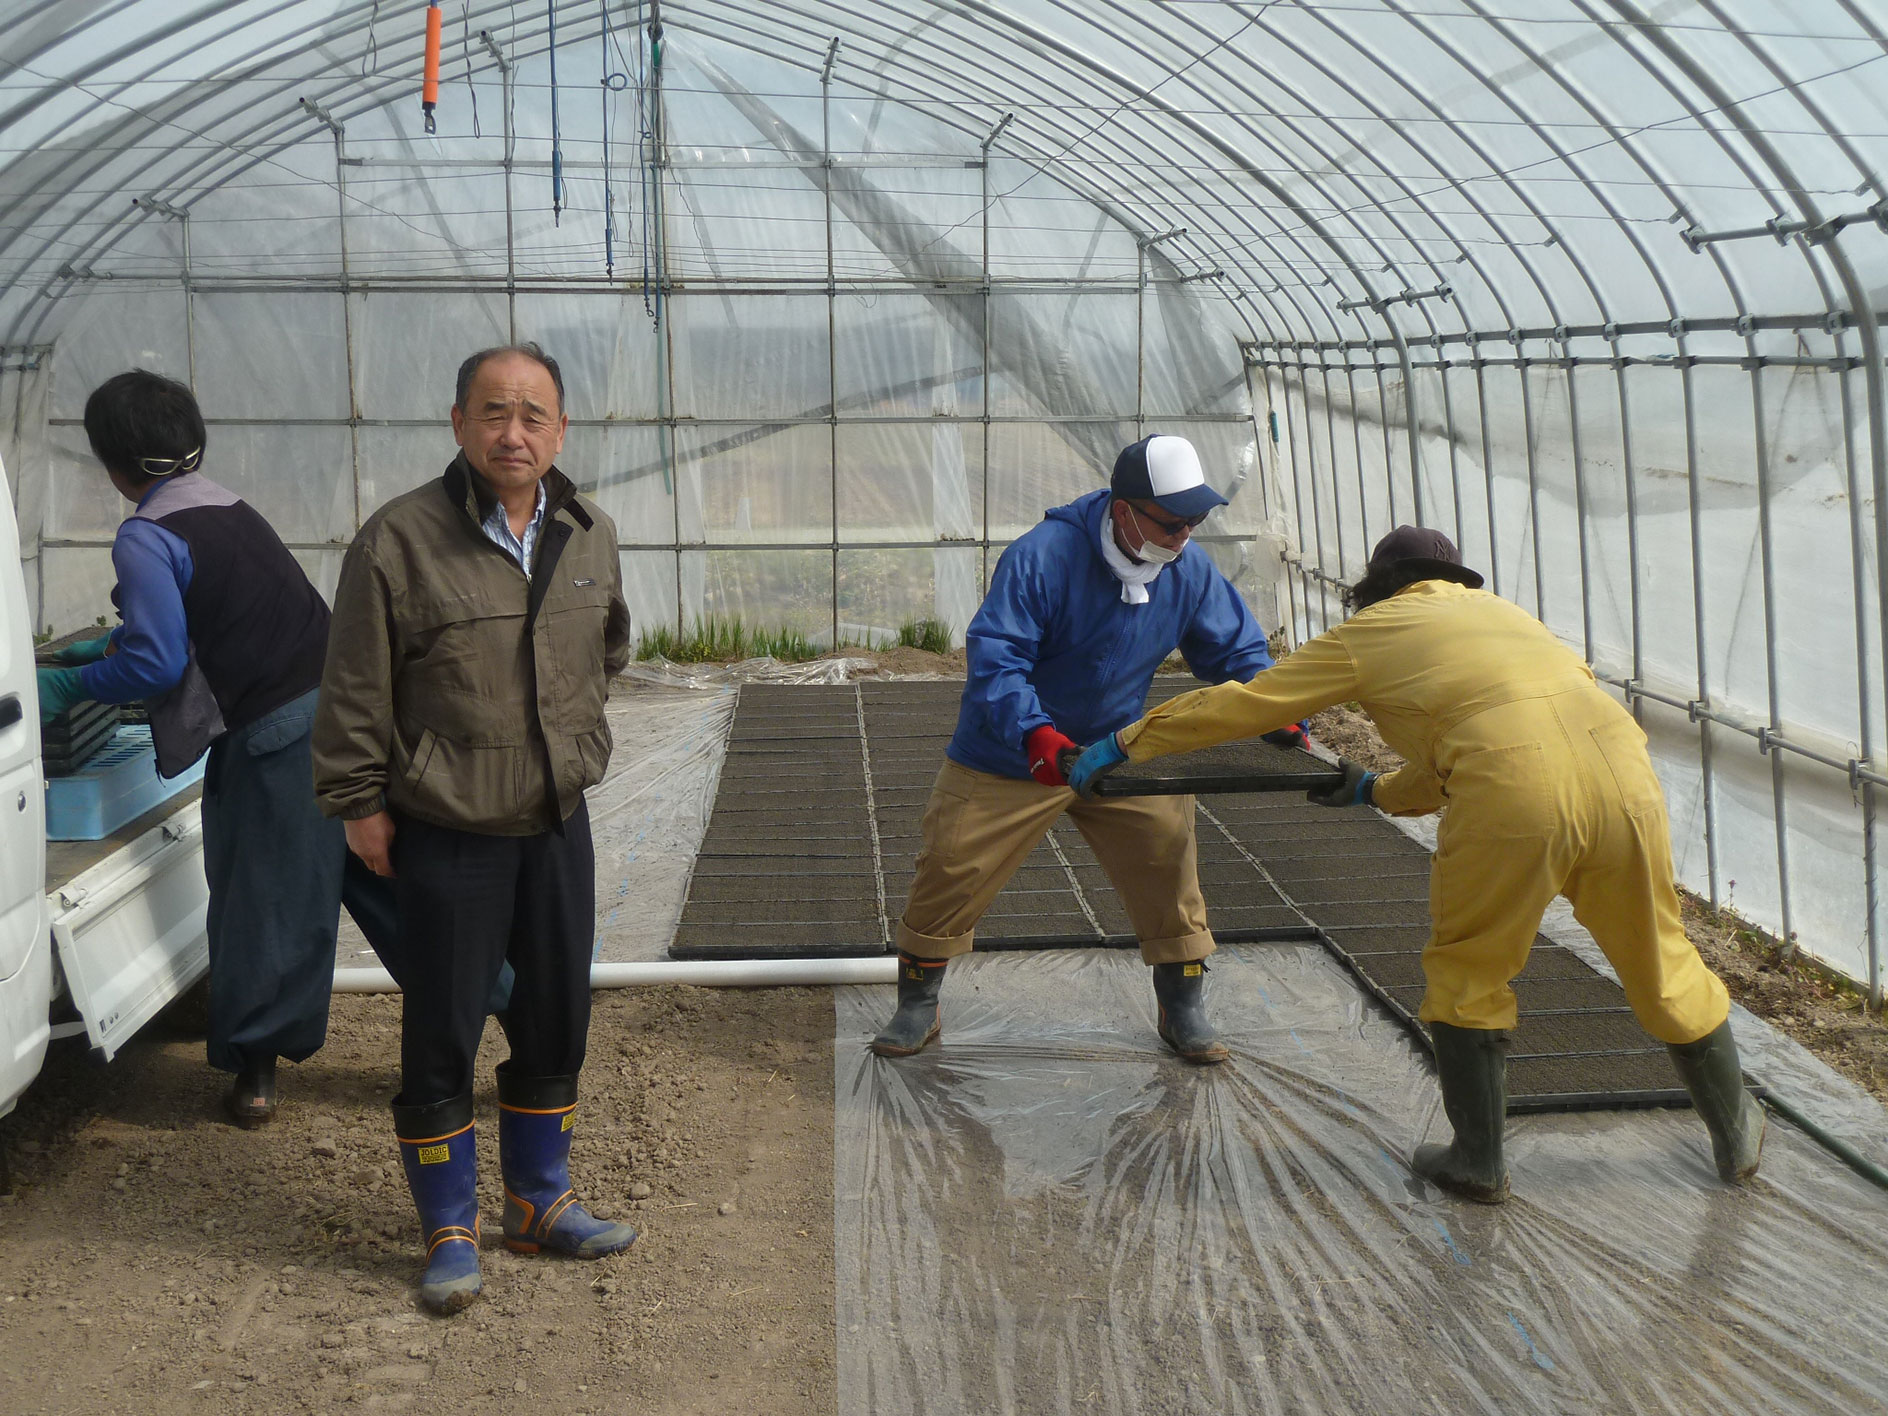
{"x": 118, "y": 785}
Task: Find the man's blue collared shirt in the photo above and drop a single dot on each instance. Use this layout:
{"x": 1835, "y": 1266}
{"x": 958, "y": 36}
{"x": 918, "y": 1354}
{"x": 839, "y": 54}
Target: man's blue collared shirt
{"x": 497, "y": 527}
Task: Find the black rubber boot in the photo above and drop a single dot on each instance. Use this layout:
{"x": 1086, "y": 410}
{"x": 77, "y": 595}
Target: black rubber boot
{"x": 251, "y": 1099}
{"x": 1715, "y": 1079}
{"x": 918, "y": 1019}
{"x": 439, "y": 1153}
{"x": 1472, "y": 1067}
{"x": 1180, "y": 990}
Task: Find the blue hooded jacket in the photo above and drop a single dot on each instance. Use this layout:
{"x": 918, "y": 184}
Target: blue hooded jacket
{"x": 1055, "y": 643}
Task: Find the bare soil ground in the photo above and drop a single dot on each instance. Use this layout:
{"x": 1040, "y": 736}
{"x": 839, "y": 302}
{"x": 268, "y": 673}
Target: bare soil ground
{"x": 154, "y": 1259}
{"x": 908, "y": 662}
{"x": 1822, "y": 1011}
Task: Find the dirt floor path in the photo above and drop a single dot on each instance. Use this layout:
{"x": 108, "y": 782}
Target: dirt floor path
{"x": 154, "y": 1259}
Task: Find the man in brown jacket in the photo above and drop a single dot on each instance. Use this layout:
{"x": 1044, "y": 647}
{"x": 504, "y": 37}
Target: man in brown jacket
{"x": 477, "y": 622}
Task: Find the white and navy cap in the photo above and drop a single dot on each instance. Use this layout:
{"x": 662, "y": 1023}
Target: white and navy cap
{"x": 1165, "y": 470}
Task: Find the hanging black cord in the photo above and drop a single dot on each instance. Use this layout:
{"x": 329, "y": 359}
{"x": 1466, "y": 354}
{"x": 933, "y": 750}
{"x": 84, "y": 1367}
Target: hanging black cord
{"x": 465, "y": 43}
{"x": 648, "y": 80}
{"x": 613, "y": 81}
{"x": 557, "y": 149}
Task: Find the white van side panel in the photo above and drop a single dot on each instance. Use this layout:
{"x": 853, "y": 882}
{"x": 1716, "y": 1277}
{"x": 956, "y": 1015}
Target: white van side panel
{"x": 25, "y": 1002}
{"x": 25, "y": 957}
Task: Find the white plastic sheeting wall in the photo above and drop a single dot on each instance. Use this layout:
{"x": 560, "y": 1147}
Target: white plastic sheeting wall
{"x": 790, "y": 436}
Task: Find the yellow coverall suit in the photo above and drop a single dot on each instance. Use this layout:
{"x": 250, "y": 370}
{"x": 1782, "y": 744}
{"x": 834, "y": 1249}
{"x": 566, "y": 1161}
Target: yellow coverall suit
{"x": 1546, "y": 779}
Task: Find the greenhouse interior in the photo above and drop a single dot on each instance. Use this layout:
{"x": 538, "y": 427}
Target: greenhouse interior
{"x": 847, "y": 295}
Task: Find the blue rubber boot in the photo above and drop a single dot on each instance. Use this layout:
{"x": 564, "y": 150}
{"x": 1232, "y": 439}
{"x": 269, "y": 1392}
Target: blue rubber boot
{"x": 535, "y": 1117}
{"x": 442, "y": 1169}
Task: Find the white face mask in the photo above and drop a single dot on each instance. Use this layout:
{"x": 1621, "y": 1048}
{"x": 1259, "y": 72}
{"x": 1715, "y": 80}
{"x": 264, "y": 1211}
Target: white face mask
{"x": 1153, "y": 554}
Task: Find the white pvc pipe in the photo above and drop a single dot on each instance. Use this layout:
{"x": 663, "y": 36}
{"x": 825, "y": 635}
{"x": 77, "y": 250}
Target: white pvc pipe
{"x": 716, "y": 973}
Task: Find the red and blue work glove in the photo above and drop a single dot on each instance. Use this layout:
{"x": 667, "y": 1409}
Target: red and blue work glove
{"x": 1352, "y": 789}
{"x": 59, "y": 689}
{"x": 1098, "y": 759}
{"x": 1043, "y": 746}
{"x": 84, "y": 651}
{"x": 1296, "y": 735}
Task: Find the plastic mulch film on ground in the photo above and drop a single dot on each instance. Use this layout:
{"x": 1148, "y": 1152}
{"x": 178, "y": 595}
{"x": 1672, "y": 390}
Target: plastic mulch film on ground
{"x": 663, "y": 673}
{"x": 1050, "y": 1213}
{"x": 648, "y": 813}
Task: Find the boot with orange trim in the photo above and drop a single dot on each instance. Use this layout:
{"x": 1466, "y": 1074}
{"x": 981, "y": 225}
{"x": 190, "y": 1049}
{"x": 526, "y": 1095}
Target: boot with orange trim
{"x": 535, "y": 1117}
{"x": 437, "y": 1148}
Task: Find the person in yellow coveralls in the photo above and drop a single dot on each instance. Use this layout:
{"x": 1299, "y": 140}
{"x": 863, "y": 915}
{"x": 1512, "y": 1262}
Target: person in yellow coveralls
{"x": 1548, "y": 790}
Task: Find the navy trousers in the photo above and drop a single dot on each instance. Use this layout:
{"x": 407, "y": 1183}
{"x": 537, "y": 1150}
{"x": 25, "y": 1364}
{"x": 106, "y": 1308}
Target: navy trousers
{"x": 278, "y": 872}
{"x": 375, "y": 907}
{"x": 274, "y": 872}
{"x": 468, "y": 903}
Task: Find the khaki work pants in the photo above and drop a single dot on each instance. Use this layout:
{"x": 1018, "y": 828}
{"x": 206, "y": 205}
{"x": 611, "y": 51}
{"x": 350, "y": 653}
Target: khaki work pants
{"x": 1562, "y": 801}
{"x": 978, "y": 828}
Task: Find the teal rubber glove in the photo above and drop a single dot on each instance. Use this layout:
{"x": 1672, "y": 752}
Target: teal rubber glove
{"x": 59, "y": 689}
{"x": 1352, "y": 790}
{"x": 85, "y": 651}
{"x": 1098, "y": 759}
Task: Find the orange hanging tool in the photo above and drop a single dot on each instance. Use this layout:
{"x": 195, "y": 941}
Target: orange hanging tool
{"x": 429, "y": 85}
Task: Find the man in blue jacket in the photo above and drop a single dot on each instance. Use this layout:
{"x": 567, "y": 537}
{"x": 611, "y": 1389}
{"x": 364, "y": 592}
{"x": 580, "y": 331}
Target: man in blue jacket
{"x": 1081, "y": 611}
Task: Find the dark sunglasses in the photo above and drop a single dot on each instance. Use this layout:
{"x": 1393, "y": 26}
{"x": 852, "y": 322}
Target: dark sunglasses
{"x": 1165, "y": 526}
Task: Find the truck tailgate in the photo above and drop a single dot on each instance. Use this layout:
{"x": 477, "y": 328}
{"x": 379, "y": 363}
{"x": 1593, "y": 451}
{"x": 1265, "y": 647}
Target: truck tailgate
{"x": 128, "y": 919}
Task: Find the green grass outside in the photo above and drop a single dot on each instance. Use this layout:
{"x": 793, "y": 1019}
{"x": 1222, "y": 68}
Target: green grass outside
{"x": 932, "y": 636}
{"x": 725, "y": 638}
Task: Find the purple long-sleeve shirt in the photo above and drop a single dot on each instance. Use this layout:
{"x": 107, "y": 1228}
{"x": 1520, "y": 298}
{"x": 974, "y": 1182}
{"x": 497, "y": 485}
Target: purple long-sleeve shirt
{"x": 152, "y": 646}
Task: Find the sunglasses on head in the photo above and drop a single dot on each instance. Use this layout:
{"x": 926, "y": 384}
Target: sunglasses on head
{"x": 1168, "y": 526}
{"x": 167, "y": 466}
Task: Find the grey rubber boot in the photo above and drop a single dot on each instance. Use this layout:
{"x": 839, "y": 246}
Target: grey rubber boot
{"x": 1180, "y": 989}
{"x": 1715, "y": 1078}
{"x": 918, "y": 1019}
{"x": 1472, "y": 1068}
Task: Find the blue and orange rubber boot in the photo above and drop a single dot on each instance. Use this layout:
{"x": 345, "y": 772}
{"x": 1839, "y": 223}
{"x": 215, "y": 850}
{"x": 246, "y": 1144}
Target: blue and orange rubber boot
{"x": 442, "y": 1169}
{"x": 535, "y": 1117}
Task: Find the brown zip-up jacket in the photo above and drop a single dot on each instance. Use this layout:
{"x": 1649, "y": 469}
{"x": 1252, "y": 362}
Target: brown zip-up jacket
{"x": 457, "y": 691}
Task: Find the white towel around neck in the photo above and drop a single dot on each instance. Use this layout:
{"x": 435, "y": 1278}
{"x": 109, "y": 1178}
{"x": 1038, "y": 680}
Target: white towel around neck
{"x": 1135, "y": 576}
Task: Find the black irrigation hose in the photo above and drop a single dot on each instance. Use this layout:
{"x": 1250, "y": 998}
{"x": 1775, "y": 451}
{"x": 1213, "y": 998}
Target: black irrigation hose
{"x": 1835, "y": 1145}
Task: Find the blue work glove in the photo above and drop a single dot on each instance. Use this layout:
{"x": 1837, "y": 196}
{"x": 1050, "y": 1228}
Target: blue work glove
{"x": 1296, "y": 735}
{"x": 84, "y": 651}
{"x": 1098, "y": 759}
{"x": 59, "y": 689}
{"x": 1353, "y": 789}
